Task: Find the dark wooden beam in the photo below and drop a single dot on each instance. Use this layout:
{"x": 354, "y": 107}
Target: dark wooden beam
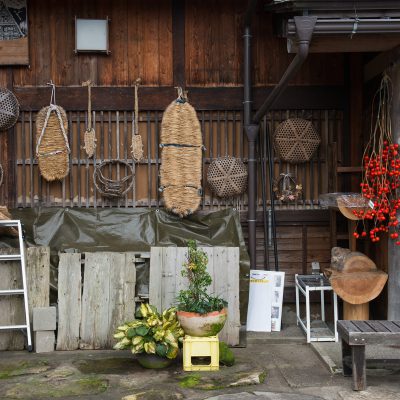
{"x": 74, "y": 98}
{"x": 382, "y": 61}
{"x": 178, "y": 42}
{"x": 394, "y": 250}
{"x": 294, "y": 217}
{"x": 10, "y": 195}
{"x": 356, "y": 116}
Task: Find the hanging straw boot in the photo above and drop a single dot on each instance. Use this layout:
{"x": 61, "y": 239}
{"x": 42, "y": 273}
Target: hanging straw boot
{"x": 52, "y": 147}
{"x": 182, "y": 151}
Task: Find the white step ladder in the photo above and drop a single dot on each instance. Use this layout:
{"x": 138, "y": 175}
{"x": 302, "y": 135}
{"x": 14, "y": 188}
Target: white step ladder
{"x": 23, "y": 291}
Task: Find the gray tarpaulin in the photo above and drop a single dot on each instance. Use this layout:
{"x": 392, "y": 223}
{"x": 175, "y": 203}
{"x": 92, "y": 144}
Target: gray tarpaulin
{"x": 128, "y": 229}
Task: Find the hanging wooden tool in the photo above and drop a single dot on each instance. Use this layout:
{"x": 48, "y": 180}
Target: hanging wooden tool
{"x": 52, "y": 147}
{"x": 182, "y": 147}
{"x": 90, "y": 134}
{"x": 137, "y": 144}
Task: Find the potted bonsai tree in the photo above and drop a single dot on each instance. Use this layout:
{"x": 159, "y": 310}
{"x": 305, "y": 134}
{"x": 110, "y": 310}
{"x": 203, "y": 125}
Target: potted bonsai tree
{"x": 153, "y": 337}
{"x": 199, "y": 313}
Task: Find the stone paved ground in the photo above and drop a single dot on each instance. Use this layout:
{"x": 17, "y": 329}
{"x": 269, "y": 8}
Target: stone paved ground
{"x": 280, "y": 371}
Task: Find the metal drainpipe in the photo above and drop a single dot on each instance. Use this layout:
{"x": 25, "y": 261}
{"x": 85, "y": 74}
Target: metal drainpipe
{"x": 251, "y": 134}
{"x": 305, "y": 26}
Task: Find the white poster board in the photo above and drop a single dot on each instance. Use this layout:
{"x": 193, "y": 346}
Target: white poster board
{"x": 264, "y": 312}
{"x": 259, "y": 308}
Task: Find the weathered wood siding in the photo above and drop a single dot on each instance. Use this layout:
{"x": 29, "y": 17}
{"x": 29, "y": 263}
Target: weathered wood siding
{"x": 223, "y": 265}
{"x": 214, "y": 49}
{"x": 141, "y": 43}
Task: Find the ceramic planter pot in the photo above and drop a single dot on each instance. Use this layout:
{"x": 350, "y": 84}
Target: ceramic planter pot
{"x": 202, "y": 325}
{"x": 153, "y": 361}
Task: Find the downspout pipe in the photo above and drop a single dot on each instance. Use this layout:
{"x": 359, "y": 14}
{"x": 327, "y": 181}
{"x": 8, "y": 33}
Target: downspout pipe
{"x": 252, "y": 134}
{"x": 305, "y": 27}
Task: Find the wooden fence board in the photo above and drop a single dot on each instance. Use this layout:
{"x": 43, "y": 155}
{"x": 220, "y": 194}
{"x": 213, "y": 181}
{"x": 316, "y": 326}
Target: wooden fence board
{"x": 121, "y": 306}
{"x": 155, "y": 281}
{"x": 108, "y": 297}
{"x": 95, "y": 300}
{"x": 69, "y": 301}
{"x": 38, "y": 277}
{"x": 223, "y": 266}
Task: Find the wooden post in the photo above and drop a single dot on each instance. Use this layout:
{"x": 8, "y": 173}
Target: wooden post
{"x": 393, "y": 250}
{"x": 358, "y": 312}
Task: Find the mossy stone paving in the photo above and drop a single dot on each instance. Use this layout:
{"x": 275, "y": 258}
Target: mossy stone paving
{"x": 19, "y": 368}
{"x": 36, "y": 388}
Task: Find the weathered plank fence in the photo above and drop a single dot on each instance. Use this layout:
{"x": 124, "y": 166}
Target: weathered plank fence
{"x": 11, "y": 307}
{"x": 90, "y": 309}
{"x": 223, "y": 265}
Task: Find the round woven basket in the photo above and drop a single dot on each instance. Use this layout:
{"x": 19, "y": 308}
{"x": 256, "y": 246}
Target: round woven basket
{"x": 296, "y": 140}
{"x": 227, "y": 177}
{"x": 9, "y": 109}
{"x": 53, "y": 150}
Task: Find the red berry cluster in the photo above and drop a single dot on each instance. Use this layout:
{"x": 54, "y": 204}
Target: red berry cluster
{"x": 381, "y": 180}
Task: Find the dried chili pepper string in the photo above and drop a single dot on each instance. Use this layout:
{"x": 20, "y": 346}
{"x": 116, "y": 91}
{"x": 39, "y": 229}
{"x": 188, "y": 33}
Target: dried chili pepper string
{"x": 381, "y": 170}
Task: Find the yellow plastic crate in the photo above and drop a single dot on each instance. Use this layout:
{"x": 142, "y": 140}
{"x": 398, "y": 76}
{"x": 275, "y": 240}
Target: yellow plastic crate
{"x": 200, "y": 347}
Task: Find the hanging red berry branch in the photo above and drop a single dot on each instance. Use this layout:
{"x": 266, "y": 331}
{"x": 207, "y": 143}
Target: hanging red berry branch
{"x": 381, "y": 170}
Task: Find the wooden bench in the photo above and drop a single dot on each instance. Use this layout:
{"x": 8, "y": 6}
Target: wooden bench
{"x": 355, "y": 336}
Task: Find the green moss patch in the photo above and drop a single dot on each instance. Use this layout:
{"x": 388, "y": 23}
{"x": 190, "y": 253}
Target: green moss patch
{"x": 226, "y": 356}
{"x": 38, "y": 389}
{"x": 262, "y": 376}
{"x": 190, "y": 381}
{"x": 23, "y": 368}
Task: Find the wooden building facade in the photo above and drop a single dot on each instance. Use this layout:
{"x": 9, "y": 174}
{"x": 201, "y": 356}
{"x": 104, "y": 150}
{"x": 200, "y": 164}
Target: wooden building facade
{"x": 198, "y": 45}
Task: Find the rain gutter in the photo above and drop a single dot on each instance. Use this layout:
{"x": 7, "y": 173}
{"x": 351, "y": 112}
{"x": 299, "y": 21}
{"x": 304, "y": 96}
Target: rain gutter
{"x": 349, "y": 26}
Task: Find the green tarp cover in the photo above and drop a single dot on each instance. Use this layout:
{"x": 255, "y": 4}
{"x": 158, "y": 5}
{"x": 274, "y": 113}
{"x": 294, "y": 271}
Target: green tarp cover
{"x": 128, "y": 229}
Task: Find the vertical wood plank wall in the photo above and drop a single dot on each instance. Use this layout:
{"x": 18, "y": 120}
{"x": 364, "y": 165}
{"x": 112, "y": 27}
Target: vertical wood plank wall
{"x": 142, "y": 44}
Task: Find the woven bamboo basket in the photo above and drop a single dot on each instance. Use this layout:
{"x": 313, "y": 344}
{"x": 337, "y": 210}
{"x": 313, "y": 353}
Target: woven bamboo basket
{"x": 296, "y": 140}
{"x": 9, "y": 109}
{"x": 227, "y": 177}
{"x": 180, "y": 172}
{"x": 53, "y": 149}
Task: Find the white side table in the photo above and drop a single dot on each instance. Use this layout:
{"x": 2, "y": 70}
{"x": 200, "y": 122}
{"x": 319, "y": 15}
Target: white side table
{"x": 316, "y": 330}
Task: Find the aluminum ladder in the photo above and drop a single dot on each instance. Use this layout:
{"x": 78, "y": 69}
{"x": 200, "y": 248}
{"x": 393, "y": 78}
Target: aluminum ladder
{"x": 17, "y": 292}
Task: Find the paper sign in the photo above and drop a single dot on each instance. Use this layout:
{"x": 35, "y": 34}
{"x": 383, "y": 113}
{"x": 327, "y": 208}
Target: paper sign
{"x": 277, "y": 300}
{"x": 265, "y": 301}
